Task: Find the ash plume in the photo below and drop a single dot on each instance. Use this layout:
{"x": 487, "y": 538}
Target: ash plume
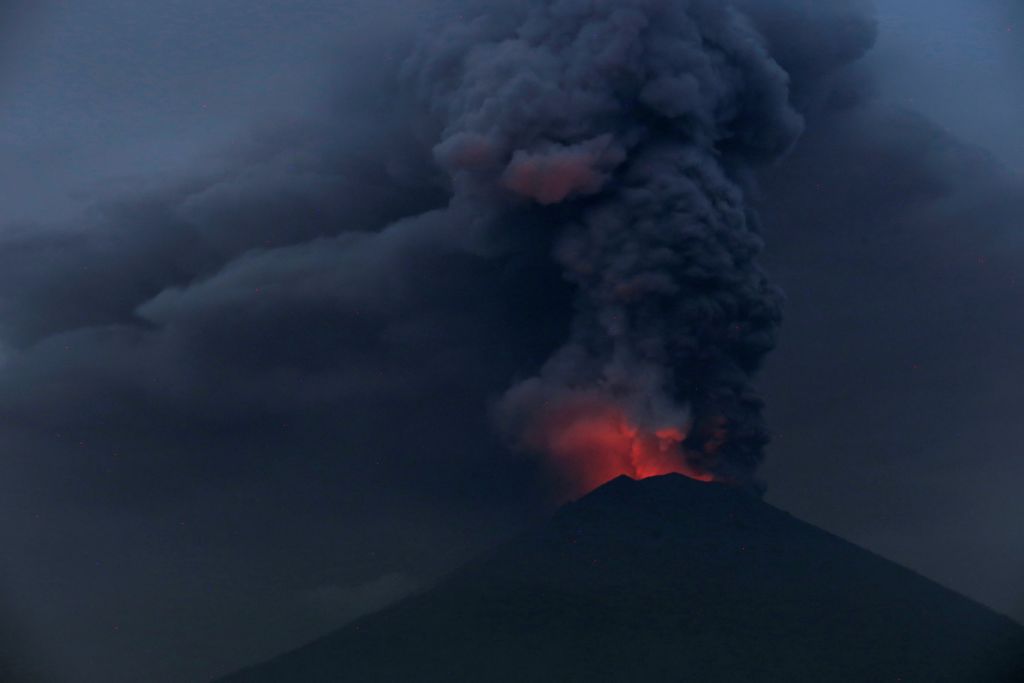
{"x": 633, "y": 126}
{"x": 545, "y": 203}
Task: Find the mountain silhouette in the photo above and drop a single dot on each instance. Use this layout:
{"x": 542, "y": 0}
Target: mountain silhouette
{"x": 669, "y": 579}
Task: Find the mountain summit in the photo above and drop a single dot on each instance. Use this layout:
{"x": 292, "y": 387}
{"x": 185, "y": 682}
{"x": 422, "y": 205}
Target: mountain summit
{"x": 669, "y": 579}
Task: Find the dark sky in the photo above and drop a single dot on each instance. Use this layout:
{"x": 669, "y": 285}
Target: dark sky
{"x": 232, "y": 416}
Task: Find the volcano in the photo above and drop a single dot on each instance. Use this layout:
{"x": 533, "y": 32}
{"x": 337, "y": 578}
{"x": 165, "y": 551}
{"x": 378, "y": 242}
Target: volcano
{"x": 669, "y": 579}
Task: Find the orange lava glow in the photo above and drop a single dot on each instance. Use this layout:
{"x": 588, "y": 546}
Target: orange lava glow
{"x": 591, "y": 444}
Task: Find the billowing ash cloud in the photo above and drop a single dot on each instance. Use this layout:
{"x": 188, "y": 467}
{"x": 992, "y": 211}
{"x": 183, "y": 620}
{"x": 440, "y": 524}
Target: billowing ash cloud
{"x": 633, "y": 125}
{"x": 553, "y": 191}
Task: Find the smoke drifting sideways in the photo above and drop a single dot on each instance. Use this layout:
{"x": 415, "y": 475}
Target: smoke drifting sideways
{"x": 541, "y": 204}
{"x": 633, "y": 127}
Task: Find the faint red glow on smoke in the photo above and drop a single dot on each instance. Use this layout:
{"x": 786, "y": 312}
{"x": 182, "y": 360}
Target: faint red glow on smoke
{"x": 591, "y": 443}
{"x": 550, "y": 180}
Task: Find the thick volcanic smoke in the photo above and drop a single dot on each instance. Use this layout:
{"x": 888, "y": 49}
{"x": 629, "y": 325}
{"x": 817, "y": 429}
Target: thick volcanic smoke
{"x": 632, "y": 124}
{"x": 591, "y": 442}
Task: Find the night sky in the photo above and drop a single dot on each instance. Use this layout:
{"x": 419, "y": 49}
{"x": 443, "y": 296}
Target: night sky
{"x": 233, "y": 416}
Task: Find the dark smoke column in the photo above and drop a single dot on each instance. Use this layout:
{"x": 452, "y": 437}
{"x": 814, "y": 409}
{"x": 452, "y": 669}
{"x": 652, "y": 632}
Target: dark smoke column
{"x": 630, "y": 122}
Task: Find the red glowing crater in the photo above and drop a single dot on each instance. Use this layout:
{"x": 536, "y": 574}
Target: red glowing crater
{"x": 591, "y": 443}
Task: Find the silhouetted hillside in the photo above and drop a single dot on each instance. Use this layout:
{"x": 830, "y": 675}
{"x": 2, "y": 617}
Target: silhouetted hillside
{"x": 669, "y": 579}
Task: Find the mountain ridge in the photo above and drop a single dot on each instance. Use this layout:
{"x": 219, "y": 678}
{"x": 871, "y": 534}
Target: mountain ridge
{"x": 669, "y": 579}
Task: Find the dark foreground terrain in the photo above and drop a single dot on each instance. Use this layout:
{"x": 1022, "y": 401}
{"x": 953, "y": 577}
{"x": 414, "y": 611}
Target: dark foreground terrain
{"x": 669, "y": 579}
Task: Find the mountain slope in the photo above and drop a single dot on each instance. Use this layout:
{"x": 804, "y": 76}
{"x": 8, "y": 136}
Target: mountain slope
{"x": 669, "y": 579}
